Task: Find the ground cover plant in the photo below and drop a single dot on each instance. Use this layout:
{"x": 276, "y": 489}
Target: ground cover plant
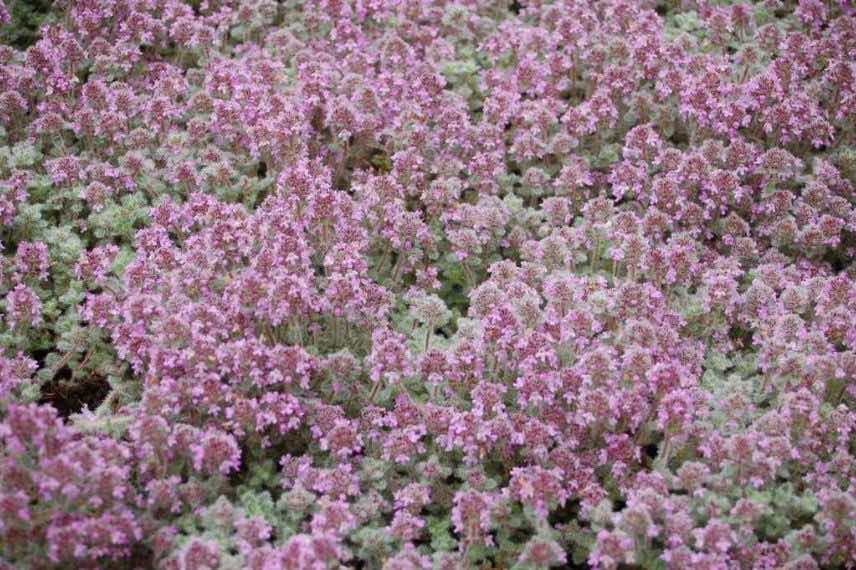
{"x": 407, "y": 284}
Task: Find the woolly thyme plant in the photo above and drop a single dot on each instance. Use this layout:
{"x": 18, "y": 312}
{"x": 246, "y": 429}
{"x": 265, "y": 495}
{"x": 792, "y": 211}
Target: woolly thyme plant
{"x": 412, "y": 284}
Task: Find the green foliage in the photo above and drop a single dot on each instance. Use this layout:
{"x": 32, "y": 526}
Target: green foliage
{"x": 439, "y": 529}
{"x": 373, "y": 544}
{"x": 120, "y": 221}
{"x": 28, "y": 16}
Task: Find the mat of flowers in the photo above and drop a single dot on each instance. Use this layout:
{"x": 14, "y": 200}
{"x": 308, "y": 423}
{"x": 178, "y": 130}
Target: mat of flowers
{"x": 412, "y": 284}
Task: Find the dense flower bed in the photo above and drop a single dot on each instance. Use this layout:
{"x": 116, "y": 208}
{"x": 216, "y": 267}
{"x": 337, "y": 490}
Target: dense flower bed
{"x": 428, "y": 284}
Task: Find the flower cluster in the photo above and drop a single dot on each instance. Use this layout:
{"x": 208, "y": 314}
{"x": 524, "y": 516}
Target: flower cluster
{"x": 428, "y": 284}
